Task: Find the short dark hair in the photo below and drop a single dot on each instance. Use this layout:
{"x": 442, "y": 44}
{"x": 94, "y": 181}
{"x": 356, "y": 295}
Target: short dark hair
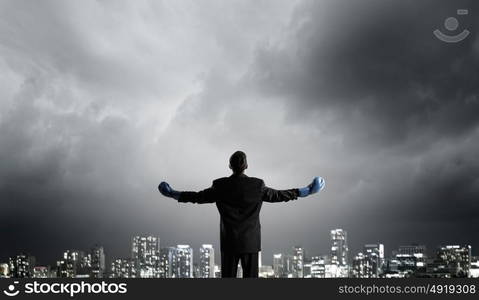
{"x": 238, "y": 162}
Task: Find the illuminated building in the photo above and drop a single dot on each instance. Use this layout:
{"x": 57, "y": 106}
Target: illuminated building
{"x": 450, "y": 261}
{"x": 338, "y": 266}
{"x": 123, "y": 268}
{"x": 73, "y": 264}
{"x": 97, "y": 262}
{"x": 207, "y": 262}
{"x": 21, "y": 266}
{"x": 145, "y": 252}
{"x": 368, "y": 264}
{"x": 279, "y": 268}
{"x": 167, "y": 261}
{"x": 184, "y": 262}
{"x": 336, "y": 271}
{"x": 297, "y": 262}
{"x": 407, "y": 261}
{"x": 363, "y": 266}
{"x": 339, "y": 247}
{"x": 376, "y": 253}
{"x": 307, "y": 269}
{"x": 318, "y": 266}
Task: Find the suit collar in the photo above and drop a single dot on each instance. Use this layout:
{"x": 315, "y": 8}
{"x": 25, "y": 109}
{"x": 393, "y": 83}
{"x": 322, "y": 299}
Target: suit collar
{"x": 238, "y": 175}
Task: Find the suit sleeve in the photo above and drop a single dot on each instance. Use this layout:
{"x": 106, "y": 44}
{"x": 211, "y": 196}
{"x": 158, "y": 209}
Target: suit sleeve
{"x": 272, "y": 195}
{"x": 208, "y": 195}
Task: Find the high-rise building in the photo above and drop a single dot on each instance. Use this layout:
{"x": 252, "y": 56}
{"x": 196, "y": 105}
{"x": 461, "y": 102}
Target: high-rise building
{"x": 318, "y": 266}
{"x": 207, "y": 262}
{"x": 78, "y": 264}
{"x": 289, "y": 265}
{"x": 279, "y": 267}
{"x": 97, "y": 262}
{"x": 408, "y": 260}
{"x": 123, "y": 268}
{"x": 368, "y": 264}
{"x": 451, "y": 261}
{"x": 184, "y": 262}
{"x": 339, "y": 247}
{"x": 298, "y": 262}
{"x": 339, "y": 262}
{"x": 145, "y": 252}
{"x": 21, "y": 266}
{"x": 167, "y": 262}
{"x": 376, "y": 251}
{"x": 85, "y": 269}
{"x": 73, "y": 264}
{"x": 364, "y": 266}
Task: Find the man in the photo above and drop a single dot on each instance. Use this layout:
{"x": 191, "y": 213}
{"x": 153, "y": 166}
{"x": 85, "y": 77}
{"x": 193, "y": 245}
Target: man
{"x": 239, "y": 199}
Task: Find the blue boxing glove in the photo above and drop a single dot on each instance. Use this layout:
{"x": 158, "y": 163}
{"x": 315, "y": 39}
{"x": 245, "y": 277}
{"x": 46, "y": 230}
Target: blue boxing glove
{"x": 166, "y": 190}
{"x": 314, "y": 187}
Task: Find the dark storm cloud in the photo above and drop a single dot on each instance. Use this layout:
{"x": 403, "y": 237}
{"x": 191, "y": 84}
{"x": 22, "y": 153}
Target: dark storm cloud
{"x": 87, "y": 90}
{"x": 403, "y": 100}
{"x": 48, "y": 173}
{"x": 390, "y": 110}
{"x": 102, "y": 100}
{"x": 379, "y": 64}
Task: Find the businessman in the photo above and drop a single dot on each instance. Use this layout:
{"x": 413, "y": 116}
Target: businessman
{"x": 239, "y": 199}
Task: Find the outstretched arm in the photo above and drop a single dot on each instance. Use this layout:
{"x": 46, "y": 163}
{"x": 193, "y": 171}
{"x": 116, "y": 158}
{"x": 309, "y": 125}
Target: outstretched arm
{"x": 272, "y": 195}
{"x": 205, "y": 196}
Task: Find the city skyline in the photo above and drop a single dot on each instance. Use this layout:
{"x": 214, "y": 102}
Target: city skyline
{"x": 149, "y": 259}
{"x": 122, "y": 250}
{"x": 357, "y": 248}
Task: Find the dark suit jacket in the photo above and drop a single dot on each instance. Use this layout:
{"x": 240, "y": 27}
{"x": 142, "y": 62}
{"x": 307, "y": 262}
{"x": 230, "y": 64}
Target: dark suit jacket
{"x": 239, "y": 199}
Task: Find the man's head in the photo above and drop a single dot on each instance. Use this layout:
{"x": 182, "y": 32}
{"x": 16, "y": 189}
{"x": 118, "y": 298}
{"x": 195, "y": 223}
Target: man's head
{"x": 238, "y": 162}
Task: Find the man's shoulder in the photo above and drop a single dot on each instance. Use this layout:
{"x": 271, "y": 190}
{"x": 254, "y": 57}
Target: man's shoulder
{"x": 220, "y": 180}
{"x": 224, "y": 180}
{"x": 258, "y": 180}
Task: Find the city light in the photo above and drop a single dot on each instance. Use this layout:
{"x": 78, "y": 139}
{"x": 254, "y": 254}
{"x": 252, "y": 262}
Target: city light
{"x": 149, "y": 260}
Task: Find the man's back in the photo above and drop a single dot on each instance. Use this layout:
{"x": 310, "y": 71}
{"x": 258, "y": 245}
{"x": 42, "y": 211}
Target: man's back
{"x": 239, "y": 199}
{"x": 239, "y": 204}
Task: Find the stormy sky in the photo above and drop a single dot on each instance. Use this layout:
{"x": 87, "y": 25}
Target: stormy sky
{"x": 102, "y": 100}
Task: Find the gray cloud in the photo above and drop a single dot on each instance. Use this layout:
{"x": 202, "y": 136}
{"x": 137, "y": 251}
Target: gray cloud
{"x": 102, "y": 100}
